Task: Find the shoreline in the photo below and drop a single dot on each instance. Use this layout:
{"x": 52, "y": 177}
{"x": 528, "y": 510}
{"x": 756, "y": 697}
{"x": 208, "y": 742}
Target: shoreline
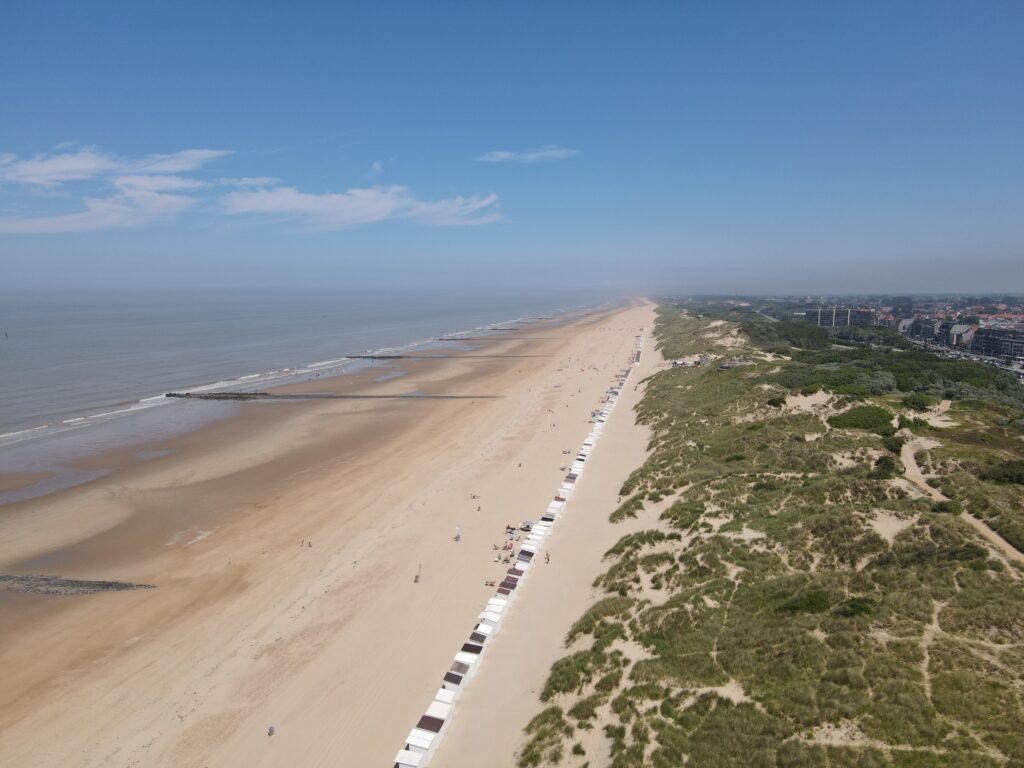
{"x": 81, "y": 416}
{"x": 245, "y": 627}
{"x": 43, "y": 459}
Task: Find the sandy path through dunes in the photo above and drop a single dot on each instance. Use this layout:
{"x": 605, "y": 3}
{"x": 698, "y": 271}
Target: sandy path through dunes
{"x": 913, "y": 473}
{"x": 333, "y": 645}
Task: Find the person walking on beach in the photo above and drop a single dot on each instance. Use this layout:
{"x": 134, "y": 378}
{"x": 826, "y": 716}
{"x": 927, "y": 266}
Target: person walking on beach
{"x": 458, "y": 533}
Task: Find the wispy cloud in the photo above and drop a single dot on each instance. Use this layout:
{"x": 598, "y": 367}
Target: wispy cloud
{"x": 362, "y": 206}
{"x": 179, "y": 162}
{"x": 51, "y": 170}
{"x": 250, "y": 181}
{"x": 455, "y": 211}
{"x": 545, "y": 154}
{"x": 138, "y": 190}
{"x": 115, "y": 192}
{"x": 130, "y": 207}
{"x": 157, "y": 183}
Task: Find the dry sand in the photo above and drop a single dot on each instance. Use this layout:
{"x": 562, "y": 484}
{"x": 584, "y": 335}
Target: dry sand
{"x": 249, "y": 627}
{"x": 504, "y": 694}
{"x": 807, "y": 403}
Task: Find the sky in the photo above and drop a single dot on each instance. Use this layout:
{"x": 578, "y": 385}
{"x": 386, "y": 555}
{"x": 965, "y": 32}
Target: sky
{"x": 698, "y": 146}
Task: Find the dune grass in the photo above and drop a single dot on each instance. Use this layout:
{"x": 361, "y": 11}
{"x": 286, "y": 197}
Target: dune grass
{"x": 778, "y": 626}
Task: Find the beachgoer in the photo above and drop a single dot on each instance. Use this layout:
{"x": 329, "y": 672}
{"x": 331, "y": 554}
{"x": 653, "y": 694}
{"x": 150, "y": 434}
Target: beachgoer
{"x": 547, "y": 557}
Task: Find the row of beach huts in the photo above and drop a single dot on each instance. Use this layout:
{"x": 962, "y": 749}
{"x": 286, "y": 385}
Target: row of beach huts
{"x": 424, "y": 738}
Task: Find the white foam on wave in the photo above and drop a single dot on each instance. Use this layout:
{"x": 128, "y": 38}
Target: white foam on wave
{"x": 23, "y": 431}
{"x": 274, "y": 375}
{"x": 326, "y": 363}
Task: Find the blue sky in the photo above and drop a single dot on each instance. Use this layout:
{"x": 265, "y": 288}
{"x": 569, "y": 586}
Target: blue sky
{"x": 790, "y": 146}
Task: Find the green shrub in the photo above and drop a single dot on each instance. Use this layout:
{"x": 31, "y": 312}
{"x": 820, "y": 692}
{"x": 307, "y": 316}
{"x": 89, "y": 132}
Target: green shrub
{"x": 598, "y": 612}
{"x": 872, "y": 418}
{"x": 852, "y": 390}
{"x": 1006, "y": 472}
{"x": 885, "y": 467}
{"x": 628, "y": 508}
{"x": 586, "y": 709}
{"x": 812, "y": 601}
{"x": 546, "y": 732}
{"x": 893, "y": 443}
{"x": 572, "y": 672}
{"x": 919, "y": 401}
{"x": 909, "y": 423}
{"x": 785, "y": 334}
{"x": 855, "y": 606}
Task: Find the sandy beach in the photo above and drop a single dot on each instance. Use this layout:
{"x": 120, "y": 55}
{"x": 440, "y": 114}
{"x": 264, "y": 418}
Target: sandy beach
{"x": 283, "y": 545}
{"x": 504, "y": 694}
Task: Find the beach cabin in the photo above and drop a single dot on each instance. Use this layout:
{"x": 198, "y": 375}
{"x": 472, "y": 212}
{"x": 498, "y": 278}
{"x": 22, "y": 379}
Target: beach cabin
{"x": 407, "y": 759}
{"x": 434, "y": 720}
{"x": 445, "y": 696}
{"x": 421, "y": 741}
{"x": 490, "y": 617}
{"x": 452, "y": 680}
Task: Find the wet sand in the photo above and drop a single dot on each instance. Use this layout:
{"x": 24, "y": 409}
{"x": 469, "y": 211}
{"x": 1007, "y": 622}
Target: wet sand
{"x": 249, "y": 626}
{"x": 17, "y": 481}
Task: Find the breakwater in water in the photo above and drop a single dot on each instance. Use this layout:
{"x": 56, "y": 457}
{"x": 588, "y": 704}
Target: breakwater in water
{"x": 318, "y": 396}
{"x": 55, "y": 585}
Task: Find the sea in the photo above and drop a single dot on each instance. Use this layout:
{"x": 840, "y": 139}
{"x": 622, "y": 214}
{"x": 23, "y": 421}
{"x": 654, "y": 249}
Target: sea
{"x": 82, "y": 372}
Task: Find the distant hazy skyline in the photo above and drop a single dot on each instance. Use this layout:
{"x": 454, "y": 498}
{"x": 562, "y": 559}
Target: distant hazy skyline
{"x": 728, "y": 147}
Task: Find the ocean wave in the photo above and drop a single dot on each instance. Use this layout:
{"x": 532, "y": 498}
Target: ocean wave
{"x": 246, "y": 381}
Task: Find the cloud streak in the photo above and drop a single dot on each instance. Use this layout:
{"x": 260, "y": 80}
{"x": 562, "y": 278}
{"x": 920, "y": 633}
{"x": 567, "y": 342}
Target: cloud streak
{"x": 144, "y": 189}
{"x": 48, "y": 171}
{"x": 544, "y": 154}
{"x": 340, "y": 210}
{"x": 250, "y": 181}
{"x": 116, "y": 192}
{"x": 131, "y": 207}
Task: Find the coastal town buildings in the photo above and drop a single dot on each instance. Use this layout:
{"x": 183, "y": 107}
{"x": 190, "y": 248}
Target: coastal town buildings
{"x": 840, "y": 317}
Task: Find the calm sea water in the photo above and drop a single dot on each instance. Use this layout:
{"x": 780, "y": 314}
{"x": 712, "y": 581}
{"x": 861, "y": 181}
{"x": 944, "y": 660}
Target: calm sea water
{"x": 68, "y": 360}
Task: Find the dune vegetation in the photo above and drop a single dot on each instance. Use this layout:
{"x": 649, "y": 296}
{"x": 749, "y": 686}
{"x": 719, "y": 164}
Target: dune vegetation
{"x": 820, "y": 565}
